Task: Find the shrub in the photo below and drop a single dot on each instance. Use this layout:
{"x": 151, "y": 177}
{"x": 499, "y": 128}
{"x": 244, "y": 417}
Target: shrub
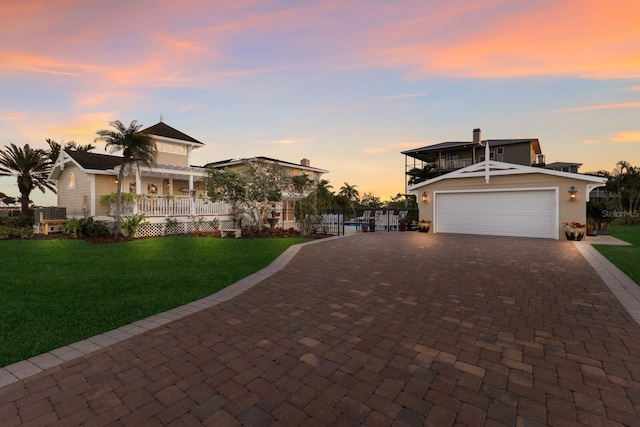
{"x": 85, "y": 227}
{"x": 131, "y": 223}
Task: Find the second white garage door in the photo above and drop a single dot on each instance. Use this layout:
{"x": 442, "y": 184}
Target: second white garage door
{"x": 522, "y": 213}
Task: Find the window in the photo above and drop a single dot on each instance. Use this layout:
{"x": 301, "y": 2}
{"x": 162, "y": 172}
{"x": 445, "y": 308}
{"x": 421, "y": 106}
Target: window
{"x": 454, "y": 157}
{"x": 492, "y": 155}
{"x": 72, "y": 181}
{"x": 500, "y": 150}
{"x": 181, "y": 149}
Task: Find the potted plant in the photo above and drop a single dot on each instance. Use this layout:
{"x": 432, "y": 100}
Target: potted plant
{"x": 423, "y": 225}
{"x": 574, "y": 230}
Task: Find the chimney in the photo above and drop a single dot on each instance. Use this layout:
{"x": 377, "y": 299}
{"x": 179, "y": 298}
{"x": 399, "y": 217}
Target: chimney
{"x": 305, "y": 162}
{"x": 477, "y": 137}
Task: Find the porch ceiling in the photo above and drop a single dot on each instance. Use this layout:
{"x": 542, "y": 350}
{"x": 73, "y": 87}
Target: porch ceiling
{"x": 171, "y": 171}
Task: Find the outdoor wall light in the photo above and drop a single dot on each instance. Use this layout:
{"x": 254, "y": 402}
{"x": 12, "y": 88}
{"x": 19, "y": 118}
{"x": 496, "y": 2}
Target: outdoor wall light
{"x": 425, "y": 198}
{"x": 115, "y": 181}
{"x": 572, "y": 193}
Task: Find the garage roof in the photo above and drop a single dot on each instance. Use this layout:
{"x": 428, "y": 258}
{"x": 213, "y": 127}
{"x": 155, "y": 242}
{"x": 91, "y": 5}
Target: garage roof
{"x": 489, "y": 168}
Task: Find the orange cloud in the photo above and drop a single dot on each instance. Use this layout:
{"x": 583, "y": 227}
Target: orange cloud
{"x": 374, "y": 150}
{"x": 83, "y": 128}
{"x": 12, "y": 116}
{"x": 590, "y": 141}
{"x": 567, "y": 37}
{"x": 626, "y": 137}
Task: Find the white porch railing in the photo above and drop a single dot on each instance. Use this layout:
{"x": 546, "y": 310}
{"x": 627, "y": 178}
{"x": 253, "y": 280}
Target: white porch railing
{"x": 181, "y": 206}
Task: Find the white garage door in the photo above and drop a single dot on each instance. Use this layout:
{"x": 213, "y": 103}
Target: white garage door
{"x": 530, "y": 213}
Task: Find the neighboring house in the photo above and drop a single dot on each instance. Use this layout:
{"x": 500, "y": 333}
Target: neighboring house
{"x": 446, "y": 157}
{"x": 293, "y": 169}
{"x": 505, "y": 199}
{"x": 563, "y": 166}
{"x": 169, "y": 190}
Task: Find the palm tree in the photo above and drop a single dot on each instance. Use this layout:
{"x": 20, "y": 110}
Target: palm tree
{"x": 55, "y": 148}
{"x": 136, "y": 148}
{"x": 324, "y": 195}
{"x": 31, "y": 168}
{"x": 350, "y": 192}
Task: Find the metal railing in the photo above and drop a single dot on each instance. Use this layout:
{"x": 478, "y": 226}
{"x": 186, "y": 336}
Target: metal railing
{"x": 455, "y": 164}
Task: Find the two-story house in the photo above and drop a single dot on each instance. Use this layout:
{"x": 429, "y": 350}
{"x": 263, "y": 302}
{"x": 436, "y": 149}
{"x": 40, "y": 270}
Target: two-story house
{"x": 169, "y": 190}
{"x": 452, "y": 155}
{"x": 497, "y": 187}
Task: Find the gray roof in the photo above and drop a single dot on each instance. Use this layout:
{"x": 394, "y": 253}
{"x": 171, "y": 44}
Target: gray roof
{"x": 93, "y": 161}
{"x": 163, "y": 129}
{"x": 426, "y": 153}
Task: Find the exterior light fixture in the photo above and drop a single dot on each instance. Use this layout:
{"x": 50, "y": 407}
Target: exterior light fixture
{"x": 425, "y": 198}
{"x": 572, "y": 193}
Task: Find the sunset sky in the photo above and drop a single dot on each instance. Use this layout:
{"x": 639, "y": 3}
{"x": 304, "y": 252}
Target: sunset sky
{"x": 346, "y": 84}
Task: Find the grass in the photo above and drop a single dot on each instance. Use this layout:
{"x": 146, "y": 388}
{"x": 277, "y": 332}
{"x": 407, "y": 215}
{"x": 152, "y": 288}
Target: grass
{"x": 56, "y": 292}
{"x": 624, "y": 257}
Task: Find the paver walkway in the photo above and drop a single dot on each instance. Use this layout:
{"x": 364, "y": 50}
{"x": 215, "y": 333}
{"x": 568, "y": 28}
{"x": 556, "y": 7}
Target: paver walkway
{"x": 374, "y": 329}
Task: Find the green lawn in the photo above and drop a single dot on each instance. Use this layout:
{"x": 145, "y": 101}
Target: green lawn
{"x": 56, "y": 292}
{"x": 626, "y": 258}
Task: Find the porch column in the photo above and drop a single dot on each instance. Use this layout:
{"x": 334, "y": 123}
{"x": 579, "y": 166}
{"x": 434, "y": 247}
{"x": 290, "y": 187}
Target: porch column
{"x": 138, "y": 189}
{"x": 192, "y": 196}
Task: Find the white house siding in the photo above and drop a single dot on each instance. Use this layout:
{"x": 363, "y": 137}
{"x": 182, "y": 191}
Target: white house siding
{"x": 72, "y": 198}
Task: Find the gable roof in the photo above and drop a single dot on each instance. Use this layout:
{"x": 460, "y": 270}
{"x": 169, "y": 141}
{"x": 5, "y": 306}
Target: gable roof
{"x": 94, "y": 161}
{"x": 164, "y": 130}
{"x": 489, "y": 168}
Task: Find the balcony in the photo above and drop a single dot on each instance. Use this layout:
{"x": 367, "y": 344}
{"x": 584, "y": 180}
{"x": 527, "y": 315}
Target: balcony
{"x": 454, "y": 164}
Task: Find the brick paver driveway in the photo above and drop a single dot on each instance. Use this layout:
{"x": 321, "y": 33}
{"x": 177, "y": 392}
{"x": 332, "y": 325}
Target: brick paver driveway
{"x": 373, "y": 329}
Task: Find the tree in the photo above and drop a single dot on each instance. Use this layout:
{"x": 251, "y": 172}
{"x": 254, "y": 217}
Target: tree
{"x": 350, "y": 192}
{"x": 55, "y": 148}
{"x": 323, "y": 194}
{"x": 625, "y": 179}
{"x": 251, "y": 189}
{"x": 370, "y": 201}
{"x": 30, "y": 167}
{"x": 136, "y": 148}
{"x": 417, "y": 175}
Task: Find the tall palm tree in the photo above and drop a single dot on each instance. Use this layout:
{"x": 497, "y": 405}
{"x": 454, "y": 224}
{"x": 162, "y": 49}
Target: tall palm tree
{"x": 31, "y": 168}
{"x": 136, "y": 148}
{"x": 350, "y": 192}
{"x": 324, "y": 195}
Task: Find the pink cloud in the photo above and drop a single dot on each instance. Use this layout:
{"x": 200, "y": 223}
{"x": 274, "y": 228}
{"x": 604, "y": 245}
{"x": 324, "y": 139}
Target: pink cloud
{"x": 602, "y": 107}
{"x": 565, "y": 37}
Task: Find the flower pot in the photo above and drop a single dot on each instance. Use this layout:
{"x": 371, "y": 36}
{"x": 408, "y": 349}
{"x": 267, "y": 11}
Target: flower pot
{"x": 423, "y": 227}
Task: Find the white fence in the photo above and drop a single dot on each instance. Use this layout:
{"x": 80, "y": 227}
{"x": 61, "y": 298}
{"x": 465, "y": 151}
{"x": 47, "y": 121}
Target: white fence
{"x": 181, "y": 206}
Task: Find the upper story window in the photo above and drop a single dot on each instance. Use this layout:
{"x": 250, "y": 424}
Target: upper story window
{"x": 500, "y": 150}
{"x": 72, "y": 181}
{"x": 166, "y": 147}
